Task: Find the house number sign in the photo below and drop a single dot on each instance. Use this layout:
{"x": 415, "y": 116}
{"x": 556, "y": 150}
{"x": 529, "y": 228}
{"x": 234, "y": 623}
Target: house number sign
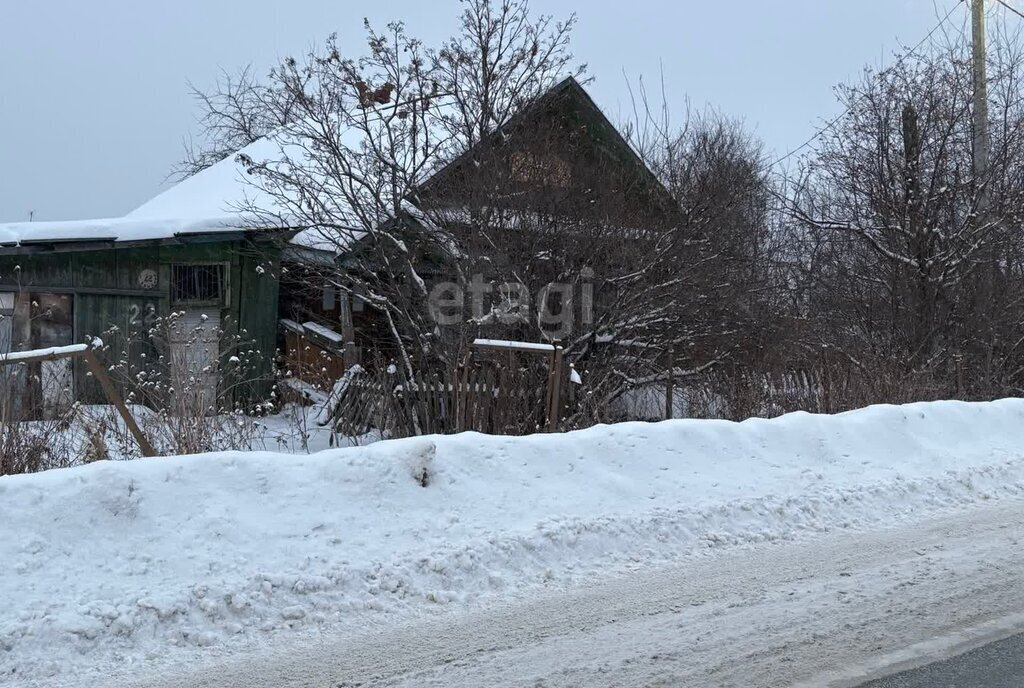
{"x": 147, "y": 279}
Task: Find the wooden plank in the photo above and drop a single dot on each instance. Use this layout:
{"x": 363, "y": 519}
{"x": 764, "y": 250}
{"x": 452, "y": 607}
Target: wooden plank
{"x": 464, "y": 382}
{"x": 100, "y": 373}
{"x": 525, "y": 347}
{"x": 555, "y": 390}
{"x": 51, "y": 354}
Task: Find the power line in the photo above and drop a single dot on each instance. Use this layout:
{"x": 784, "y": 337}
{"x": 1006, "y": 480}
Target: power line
{"x": 1011, "y": 8}
{"x": 895, "y": 65}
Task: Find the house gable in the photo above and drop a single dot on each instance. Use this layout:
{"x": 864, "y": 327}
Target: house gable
{"x": 559, "y": 151}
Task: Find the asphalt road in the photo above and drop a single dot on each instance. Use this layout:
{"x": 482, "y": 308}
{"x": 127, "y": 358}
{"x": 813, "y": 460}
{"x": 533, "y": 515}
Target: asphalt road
{"x": 996, "y": 665}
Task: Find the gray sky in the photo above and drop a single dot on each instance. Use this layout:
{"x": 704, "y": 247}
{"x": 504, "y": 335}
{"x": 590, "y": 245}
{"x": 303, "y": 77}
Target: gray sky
{"x": 94, "y": 104}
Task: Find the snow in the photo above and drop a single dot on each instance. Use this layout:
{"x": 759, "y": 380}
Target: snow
{"x": 221, "y": 198}
{"x": 325, "y": 332}
{"x": 333, "y": 241}
{"x": 118, "y": 229}
{"x": 291, "y": 326}
{"x": 125, "y": 562}
{"x": 505, "y": 344}
{"x": 228, "y": 188}
{"x": 304, "y": 390}
{"x": 55, "y": 351}
{"x": 220, "y": 188}
{"x": 836, "y": 609}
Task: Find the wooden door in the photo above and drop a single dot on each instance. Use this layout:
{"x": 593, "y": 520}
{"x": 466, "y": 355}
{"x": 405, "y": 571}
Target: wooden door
{"x": 194, "y": 340}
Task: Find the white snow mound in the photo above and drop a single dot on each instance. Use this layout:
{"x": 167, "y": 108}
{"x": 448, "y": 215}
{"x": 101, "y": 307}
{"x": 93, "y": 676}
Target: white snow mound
{"x": 122, "y": 561}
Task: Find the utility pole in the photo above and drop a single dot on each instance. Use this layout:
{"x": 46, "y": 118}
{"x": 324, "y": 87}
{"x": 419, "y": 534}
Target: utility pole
{"x": 980, "y": 146}
{"x": 980, "y": 143}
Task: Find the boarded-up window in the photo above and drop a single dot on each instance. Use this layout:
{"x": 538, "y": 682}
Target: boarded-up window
{"x": 198, "y": 284}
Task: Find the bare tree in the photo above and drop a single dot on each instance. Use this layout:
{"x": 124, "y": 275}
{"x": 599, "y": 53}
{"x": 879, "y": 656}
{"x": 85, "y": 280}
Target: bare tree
{"x": 237, "y": 111}
{"x": 502, "y": 57}
{"x": 913, "y": 278}
{"x": 363, "y": 133}
{"x": 473, "y": 165}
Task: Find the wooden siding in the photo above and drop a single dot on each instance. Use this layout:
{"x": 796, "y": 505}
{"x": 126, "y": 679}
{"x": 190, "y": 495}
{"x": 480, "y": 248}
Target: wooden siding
{"x": 107, "y": 294}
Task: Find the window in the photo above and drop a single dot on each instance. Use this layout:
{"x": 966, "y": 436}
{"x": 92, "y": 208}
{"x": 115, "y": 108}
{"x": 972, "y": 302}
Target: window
{"x": 329, "y": 300}
{"x": 540, "y": 169}
{"x": 198, "y": 284}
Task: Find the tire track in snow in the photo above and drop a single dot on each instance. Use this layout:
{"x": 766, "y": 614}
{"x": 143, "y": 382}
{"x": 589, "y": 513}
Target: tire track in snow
{"x": 823, "y": 611}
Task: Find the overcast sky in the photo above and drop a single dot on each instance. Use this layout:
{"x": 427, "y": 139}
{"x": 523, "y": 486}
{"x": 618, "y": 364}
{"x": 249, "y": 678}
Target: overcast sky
{"x": 94, "y": 102}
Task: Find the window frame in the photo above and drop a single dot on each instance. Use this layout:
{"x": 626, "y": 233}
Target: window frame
{"x": 225, "y": 284}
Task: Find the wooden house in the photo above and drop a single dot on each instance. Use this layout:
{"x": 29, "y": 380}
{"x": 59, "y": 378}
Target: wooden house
{"x": 121, "y": 280}
{"x": 199, "y": 252}
{"x": 558, "y": 174}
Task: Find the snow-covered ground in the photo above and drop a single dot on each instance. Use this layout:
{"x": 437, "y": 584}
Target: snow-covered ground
{"x": 89, "y": 432}
{"x": 827, "y": 611}
{"x": 137, "y": 564}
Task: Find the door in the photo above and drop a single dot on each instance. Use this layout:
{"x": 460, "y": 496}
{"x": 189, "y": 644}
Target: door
{"x": 194, "y": 339}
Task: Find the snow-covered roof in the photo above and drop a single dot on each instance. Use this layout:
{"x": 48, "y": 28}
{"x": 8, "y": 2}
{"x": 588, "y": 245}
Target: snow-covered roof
{"x": 212, "y": 201}
{"x": 113, "y": 229}
{"x": 222, "y": 188}
{"x": 222, "y": 197}
{"x": 227, "y": 188}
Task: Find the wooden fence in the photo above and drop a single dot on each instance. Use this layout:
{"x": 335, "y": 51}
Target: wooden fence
{"x": 487, "y": 399}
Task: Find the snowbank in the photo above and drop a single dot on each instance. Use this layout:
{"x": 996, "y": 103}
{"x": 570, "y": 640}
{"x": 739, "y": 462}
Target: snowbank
{"x": 122, "y": 561}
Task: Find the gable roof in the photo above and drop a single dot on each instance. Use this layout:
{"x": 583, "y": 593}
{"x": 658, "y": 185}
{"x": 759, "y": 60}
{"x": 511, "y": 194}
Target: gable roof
{"x": 210, "y": 202}
{"x": 217, "y": 200}
{"x": 569, "y": 89}
{"x": 220, "y": 189}
{"x": 227, "y": 186}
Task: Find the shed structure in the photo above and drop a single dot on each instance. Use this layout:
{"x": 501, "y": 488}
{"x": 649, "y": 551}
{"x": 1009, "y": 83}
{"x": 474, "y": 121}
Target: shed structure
{"x": 120, "y": 280}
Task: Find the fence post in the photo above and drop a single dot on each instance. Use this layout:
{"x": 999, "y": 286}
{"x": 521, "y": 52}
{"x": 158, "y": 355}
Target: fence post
{"x": 555, "y": 389}
{"x": 670, "y": 382}
{"x": 462, "y": 393}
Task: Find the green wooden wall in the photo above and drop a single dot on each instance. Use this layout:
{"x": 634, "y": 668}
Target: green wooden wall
{"x": 108, "y": 294}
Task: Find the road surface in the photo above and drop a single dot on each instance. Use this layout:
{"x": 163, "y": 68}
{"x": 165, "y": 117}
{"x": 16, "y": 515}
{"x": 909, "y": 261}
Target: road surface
{"x": 836, "y": 610}
{"x": 997, "y": 665}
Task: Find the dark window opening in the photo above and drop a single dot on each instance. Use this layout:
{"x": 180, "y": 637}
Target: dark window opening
{"x": 198, "y": 284}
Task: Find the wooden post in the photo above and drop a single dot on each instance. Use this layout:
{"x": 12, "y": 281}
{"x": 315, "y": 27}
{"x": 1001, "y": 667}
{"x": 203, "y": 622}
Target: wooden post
{"x": 555, "y": 389}
{"x": 571, "y": 393}
{"x": 348, "y": 332}
{"x": 462, "y": 394}
{"x": 959, "y": 360}
{"x": 100, "y": 373}
{"x": 547, "y": 390}
{"x": 670, "y": 382}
